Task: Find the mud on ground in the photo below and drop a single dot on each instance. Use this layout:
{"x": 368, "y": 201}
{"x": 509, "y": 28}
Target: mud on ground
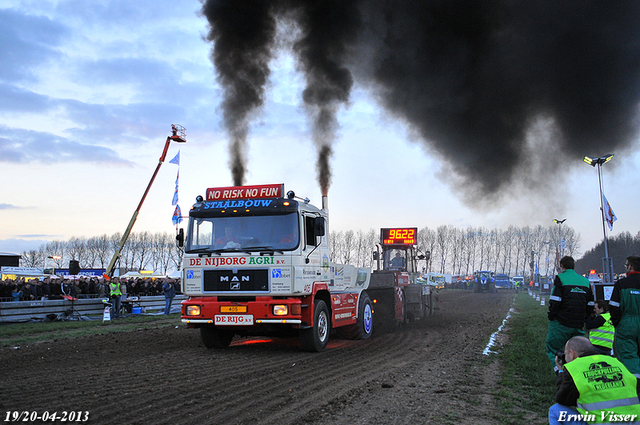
{"x": 430, "y": 372}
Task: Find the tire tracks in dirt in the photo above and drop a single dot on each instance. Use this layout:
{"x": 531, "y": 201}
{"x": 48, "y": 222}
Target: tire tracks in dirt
{"x": 167, "y": 376}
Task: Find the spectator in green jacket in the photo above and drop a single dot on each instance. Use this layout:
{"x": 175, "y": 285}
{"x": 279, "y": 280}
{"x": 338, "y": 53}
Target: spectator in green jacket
{"x": 625, "y": 316}
{"x": 570, "y": 305}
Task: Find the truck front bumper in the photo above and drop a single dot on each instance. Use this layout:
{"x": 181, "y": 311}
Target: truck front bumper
{"x": 263, "y": 310}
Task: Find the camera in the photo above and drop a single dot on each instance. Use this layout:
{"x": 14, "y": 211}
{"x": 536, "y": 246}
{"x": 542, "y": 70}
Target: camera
{"x": 560, "y": 355}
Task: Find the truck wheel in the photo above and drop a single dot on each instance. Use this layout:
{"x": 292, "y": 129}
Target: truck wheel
{"x": 315, "y": 338}
{"x": 213, "y": 337}
{"x": 363, "y": 328}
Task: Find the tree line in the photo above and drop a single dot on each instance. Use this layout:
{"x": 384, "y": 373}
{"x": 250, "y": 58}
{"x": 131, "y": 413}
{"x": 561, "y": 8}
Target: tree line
{"x": 620, "y": 247}
{"x": 143, "y": 251}
{"x": 452, "y": 250}
{"x": 465, "y": 251}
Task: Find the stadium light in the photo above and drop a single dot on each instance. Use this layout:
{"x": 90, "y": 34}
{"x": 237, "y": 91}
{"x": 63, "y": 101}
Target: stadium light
{"x": 607, "y": 262}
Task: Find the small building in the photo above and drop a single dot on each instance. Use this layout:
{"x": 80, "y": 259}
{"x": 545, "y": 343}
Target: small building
{"x": 9, "y": 259}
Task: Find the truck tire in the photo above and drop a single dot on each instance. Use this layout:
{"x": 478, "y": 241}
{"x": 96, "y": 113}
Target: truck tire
{"x": 363, "y": 328}
{"x": 213, "y": 337}
{"x": 315, "y": 339}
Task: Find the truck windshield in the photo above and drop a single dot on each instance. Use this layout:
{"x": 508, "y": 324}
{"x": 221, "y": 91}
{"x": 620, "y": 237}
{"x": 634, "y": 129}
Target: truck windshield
{"x": 243, "y": 233}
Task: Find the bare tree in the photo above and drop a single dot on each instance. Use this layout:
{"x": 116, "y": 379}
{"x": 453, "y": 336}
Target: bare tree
{"x": 76, "y": 249}
{"x": 443, "y": 243}
{"x": 162, "y": 246}
{"x": 56, "y": 250}
{"x": 348, "y": 246}
{"x": 471, "y": 240}
{"x": 141, "y": 249}
{"x": 33, "y": 258}
{"x": 100, "y": 247}
{"x": 427, "y": 244}
{"x": 336, "y": 244}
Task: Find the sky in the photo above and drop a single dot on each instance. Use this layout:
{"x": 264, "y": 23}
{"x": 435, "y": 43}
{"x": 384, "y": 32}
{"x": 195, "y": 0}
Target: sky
{"x": 89, "y": 90}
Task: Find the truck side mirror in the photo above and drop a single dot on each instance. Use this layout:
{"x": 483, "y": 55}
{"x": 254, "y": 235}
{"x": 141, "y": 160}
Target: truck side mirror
{"x": 318, "y": 226}
{"x": 375, "y": 255}
{"x": 180, "y": 238}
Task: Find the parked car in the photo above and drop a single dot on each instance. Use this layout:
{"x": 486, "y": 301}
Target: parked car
{"x": 502, "y": 281}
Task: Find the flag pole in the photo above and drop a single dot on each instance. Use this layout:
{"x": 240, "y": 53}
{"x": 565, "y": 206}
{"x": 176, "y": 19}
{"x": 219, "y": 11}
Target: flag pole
{"x": 178, "y": 134}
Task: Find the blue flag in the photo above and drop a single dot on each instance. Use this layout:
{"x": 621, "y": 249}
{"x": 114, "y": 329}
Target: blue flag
{"x": 174, "y": 201}
{"x": 175, "y": 194}
{"x": 177, "y": 215}
{"x": 176, "y": 159}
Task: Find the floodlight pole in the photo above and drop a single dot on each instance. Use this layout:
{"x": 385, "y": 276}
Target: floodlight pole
{"x": 607, "y": 262}
{"x": 178, "y": 134}
{"x": 559, "y": 246}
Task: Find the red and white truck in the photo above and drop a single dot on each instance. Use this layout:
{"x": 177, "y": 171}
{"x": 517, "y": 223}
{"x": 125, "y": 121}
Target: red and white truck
{"x": 257, "y": 262}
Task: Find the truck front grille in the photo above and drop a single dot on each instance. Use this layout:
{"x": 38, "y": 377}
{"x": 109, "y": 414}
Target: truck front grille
{"x": 236, "y": 280}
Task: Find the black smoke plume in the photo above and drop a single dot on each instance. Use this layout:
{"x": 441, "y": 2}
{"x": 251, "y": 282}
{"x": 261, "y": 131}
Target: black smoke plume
{"x": 474, "y": 77}
{"x": 506, "y": 92}
{"x": 243, "y": 33}
{"x": 327, "y": 29}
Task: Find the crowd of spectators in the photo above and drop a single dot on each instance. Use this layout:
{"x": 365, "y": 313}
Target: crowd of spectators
{"x": 54, "y": 288}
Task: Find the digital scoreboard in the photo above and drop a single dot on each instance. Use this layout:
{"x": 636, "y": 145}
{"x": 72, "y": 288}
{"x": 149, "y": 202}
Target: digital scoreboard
{"x": 399, "y": 235}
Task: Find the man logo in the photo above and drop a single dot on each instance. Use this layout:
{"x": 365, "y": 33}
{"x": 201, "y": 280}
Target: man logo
{"x": 235, "y": 286}
{"x": 275, "y": 273}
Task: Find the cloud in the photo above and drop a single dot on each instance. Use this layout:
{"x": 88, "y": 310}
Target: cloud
{"x": 24, "y": 146}
{"x": 18, "y": 246}
{"x": 27, "y": 42}
{"x": 8, "y": 207}
{"x": 14, "y": 99}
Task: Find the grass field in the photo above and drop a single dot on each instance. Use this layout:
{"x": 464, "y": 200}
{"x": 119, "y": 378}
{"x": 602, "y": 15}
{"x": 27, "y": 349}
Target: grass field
{"x": 527, "y": 386}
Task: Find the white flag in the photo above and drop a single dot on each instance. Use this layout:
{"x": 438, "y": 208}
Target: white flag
{"x": 609, "y": 215}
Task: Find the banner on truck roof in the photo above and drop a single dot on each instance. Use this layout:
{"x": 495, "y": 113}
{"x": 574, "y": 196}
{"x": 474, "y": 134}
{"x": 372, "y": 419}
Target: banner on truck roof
{"x": 245, "y": 192}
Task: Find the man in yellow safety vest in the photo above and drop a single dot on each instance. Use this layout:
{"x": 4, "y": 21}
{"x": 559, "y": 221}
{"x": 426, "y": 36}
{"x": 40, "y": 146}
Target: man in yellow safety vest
{"x": 116, "y": 294}
{"x": 600, "y": 387}
{"x": 601, "y": 329}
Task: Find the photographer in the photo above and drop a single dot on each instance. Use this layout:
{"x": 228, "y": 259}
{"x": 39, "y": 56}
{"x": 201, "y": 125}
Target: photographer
{"x": 599, "y": 386}
{"x": 601, "y": 330}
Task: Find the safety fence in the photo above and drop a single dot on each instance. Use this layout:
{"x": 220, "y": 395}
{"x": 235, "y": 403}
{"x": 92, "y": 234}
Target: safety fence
{"x": 24, "y": 311}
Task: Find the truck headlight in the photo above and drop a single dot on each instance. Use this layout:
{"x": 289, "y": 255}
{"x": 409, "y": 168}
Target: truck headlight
{"x": 280, "y": 310}
{"x": 193, "y": 310}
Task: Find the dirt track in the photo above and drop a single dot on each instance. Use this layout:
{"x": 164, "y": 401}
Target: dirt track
{"x": 431, "y": 372}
